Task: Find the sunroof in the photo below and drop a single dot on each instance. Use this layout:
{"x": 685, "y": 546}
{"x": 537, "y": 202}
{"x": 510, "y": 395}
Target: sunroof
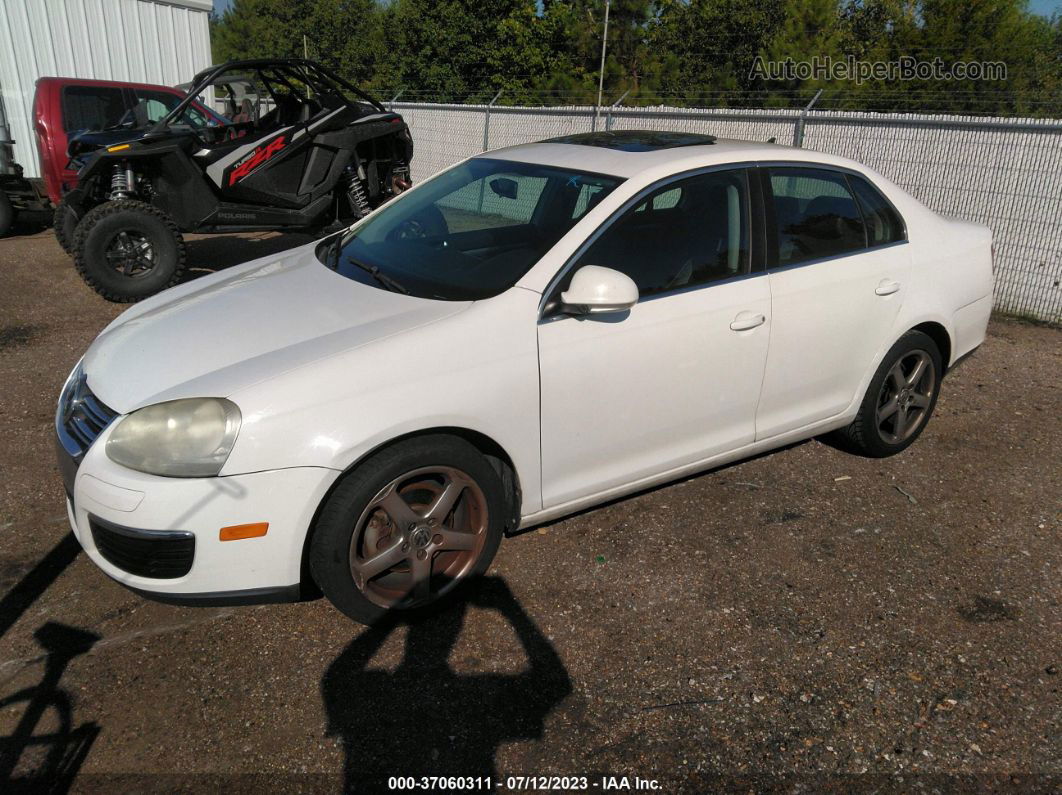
{"x": 634, "y": 140}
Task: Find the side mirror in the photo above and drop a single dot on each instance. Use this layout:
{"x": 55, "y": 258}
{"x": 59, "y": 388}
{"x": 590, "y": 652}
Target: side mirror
{"x": 505, "y": 187}
{"x": 595, "y": 290}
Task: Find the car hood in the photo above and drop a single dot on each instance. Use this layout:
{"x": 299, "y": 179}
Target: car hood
{"x": 236, "y": 328}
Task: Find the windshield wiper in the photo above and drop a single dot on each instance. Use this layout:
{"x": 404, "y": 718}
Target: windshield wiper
{"x": 380, "y": 277}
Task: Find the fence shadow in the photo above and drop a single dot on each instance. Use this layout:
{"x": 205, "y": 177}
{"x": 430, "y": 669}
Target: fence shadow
{"x": 45, "y": 751}
{"x": 423, "y": 718}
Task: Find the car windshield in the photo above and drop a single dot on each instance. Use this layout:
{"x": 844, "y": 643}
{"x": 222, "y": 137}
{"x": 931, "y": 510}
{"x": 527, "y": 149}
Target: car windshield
{"x": 152, "y": 106}
{"x": 470, "y": 232}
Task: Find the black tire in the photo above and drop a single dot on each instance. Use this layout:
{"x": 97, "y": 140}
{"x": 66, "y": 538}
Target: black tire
{"x": 102, "y": 228}
{"x": 345, "y": 517}
{"x": 64, "y": 225}
{"x": 7, "y": 214}
{"x": 871, "y": 435}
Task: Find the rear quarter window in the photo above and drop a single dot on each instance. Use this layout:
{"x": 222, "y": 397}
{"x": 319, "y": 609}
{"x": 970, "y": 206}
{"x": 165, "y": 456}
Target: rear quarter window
{"x": 883, "y": 223}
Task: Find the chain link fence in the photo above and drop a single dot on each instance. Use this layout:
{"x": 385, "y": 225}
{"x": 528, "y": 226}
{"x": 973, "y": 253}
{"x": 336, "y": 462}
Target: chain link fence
{"x": 1002, "y": 172}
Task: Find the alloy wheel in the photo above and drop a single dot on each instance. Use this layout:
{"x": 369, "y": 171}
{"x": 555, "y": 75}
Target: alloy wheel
{"x": 131, "y": 254}
{"x": 906, "y": 396}
{"x": 420, "y": 535}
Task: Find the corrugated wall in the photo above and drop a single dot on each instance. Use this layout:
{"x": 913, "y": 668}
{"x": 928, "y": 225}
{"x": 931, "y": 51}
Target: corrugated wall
{"x": 1005, "y": 173}
{"x": 136, "y": 40}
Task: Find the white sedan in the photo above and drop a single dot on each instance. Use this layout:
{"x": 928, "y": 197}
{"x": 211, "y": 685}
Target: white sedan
{"x": 531, "y": 332}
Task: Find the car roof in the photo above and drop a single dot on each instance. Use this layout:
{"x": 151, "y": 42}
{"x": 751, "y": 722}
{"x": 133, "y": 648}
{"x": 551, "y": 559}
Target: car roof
{"x": 628, "y": 153}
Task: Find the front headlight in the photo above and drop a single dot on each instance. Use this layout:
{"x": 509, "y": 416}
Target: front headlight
{"x": 189, "y": 438}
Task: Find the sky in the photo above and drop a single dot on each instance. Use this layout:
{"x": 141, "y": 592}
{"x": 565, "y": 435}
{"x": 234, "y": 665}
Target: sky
{"x": 1044, "y": 7}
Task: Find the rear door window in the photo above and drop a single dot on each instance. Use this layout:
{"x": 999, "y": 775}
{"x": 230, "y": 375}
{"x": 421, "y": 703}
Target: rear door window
{"x": 815, "y": 215}
{"x": 92, "y": 107}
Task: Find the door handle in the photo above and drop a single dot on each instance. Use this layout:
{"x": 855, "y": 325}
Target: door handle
{"x": 746, "y": 320}
{"x": 886, "y": 287}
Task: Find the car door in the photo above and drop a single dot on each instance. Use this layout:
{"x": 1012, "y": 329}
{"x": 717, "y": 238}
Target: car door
{"x": 836, "y": 274}
{"x": 674, "y": 380}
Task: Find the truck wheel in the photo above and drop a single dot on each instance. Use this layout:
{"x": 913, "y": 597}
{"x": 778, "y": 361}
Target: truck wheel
{"x": 128, "y": 250}
{"x": 7, "y": 214}
{"x": 64, "y": 223}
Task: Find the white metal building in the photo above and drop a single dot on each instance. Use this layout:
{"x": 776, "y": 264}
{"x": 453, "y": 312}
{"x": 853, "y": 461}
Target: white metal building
{"x": 145, "y": 41}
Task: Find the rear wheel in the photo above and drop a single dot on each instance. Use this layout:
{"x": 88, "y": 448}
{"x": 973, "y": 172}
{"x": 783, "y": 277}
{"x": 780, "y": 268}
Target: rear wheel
{"x": 405, "y": 528}
{"x": 64, "y": 224}
{"x": 900, "y": 398}
{"x": 7, "y": 214}
{"x": 128, "y": 250}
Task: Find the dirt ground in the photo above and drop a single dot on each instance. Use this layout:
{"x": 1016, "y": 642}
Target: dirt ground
{"x": 803, "y": 621}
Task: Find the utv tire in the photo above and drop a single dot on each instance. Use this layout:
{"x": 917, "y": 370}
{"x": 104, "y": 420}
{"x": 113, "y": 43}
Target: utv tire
{"x": 128, "y": 250}
{"x": 378, "y": 547}
{"x": 7, "y": 214}
{"x": 64, "y": 224}
{"x": 899, "y": 400}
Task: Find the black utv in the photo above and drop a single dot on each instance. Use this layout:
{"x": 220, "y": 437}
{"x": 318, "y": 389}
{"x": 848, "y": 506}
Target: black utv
{"x": 304, "y": 151}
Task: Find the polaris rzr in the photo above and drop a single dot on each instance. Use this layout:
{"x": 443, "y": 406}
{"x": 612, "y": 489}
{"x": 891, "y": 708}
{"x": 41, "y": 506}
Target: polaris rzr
{"x": 303, "y": 151}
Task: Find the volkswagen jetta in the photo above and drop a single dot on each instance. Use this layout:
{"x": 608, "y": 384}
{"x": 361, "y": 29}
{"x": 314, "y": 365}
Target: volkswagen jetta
{"x": 528, "y": 333}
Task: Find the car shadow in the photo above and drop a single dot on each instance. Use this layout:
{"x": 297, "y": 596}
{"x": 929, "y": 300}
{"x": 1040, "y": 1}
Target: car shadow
{"x": 425, "y": 719}
{"x": 212, "y": 253}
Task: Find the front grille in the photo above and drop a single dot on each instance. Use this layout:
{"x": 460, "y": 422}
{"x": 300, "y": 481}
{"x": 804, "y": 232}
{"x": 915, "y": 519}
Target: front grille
{"x": 81, "y": 417}
{"x": 161, "y": 554}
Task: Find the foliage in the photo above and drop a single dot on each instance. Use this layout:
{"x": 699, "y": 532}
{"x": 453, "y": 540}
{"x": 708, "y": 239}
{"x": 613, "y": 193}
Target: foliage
{"x": 678, "y": 52}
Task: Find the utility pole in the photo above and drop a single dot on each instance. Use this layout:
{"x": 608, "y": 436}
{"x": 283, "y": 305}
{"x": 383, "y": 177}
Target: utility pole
{"x": 601, "y": 72}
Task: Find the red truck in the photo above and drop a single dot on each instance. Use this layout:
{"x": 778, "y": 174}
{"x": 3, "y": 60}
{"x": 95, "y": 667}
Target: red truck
{"x": 66, "y": 106}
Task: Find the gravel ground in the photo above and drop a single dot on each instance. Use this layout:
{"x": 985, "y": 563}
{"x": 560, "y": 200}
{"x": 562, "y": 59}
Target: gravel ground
{"x": 806, "y": 620}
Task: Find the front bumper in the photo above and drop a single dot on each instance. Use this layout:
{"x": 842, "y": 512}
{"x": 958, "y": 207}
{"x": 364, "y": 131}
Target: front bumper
{"x": 141, "y": 509}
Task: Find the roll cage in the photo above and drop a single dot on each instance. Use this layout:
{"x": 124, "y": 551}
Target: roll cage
{"x": 271, "y": 72}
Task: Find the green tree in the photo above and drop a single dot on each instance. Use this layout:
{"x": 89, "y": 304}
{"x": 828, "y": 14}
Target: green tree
{"x": 812, "y": 29}
{"x": 675, "y": 51}
{"x": 439, "y": 49}
{"x": 344, "y": 34}
{"x": 709, "y": 48}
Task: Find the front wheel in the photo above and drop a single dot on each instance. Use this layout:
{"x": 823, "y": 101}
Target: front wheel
{"x": 128, "y": 250}
{"x": 900, "y": 398}
{"x": 406, "y": 527}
